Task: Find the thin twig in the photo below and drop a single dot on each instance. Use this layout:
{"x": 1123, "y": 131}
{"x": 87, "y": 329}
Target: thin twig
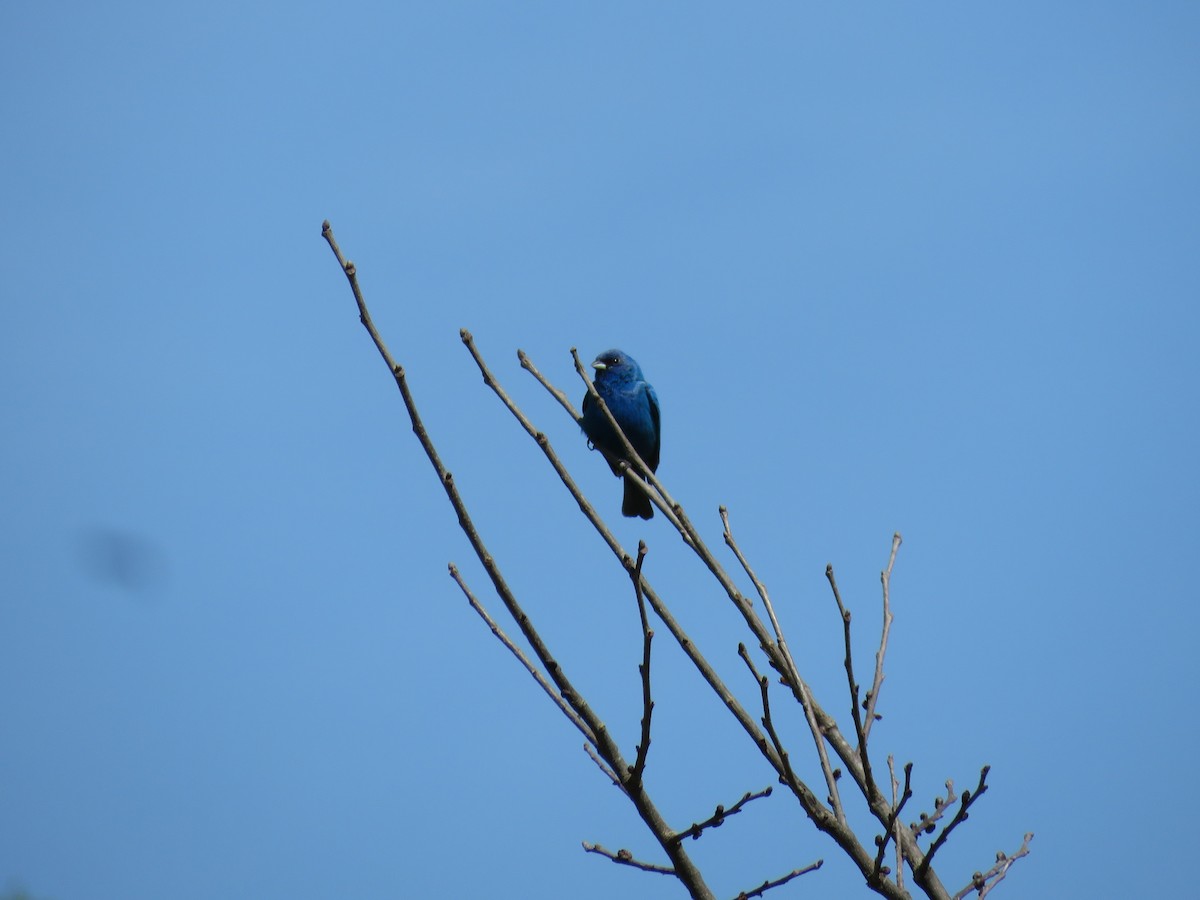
{"x": 927, "y": 823}
{"x": 754, "y": 579}
{"x": 848, "y": 663}
{"x": 625, "y": 858}
{"x": 639, "y": 764}
{"x": 603, "y": 766}
{"x": 968, "y": 798}
{"x": 767, "y": 885}
{"x": 721, "y": 814}
{"x": 764, "y": 684}
{"x": 873, "y": 695}
{"x": 883, "y": 839}
{"x": 545, "y": 685}
{"x": 983, "y": 882}
{"x": 560, "y": 396}
{"x": 870, "y": 787}
{"x": 891, "y": 760}
{"x": 790, "y": 673}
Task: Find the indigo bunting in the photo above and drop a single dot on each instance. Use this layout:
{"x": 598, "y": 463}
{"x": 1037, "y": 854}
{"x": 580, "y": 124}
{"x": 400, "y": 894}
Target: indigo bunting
{"x": 633, "y": 403}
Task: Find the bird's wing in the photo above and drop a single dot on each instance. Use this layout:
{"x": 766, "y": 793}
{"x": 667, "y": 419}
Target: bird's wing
{"x": 652, "y": 400}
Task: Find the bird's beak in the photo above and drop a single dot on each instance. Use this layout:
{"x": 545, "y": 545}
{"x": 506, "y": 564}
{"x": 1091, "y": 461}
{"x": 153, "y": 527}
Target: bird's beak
{"x": 599, "y": 366}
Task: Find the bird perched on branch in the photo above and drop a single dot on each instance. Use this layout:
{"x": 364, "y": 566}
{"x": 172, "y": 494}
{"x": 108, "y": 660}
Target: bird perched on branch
{"x": 633, "y": 403}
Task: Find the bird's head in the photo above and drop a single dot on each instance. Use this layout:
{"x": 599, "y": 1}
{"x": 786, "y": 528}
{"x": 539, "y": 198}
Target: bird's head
{"x": 613, "y": 366}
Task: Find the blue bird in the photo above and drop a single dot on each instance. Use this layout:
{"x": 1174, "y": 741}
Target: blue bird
{"x": 633, "y": 403}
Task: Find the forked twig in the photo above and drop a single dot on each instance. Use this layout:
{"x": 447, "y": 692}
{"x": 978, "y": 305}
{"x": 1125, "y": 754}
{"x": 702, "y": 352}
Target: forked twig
{"x": 897, "y": 806}
{"x": 983, "y": 882}
{"x": 927, "y": 823}
{"x": 960, "y": 816}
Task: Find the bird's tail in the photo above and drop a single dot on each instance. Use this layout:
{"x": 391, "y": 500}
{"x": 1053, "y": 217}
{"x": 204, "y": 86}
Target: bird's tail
{"x": 635, "y": 502}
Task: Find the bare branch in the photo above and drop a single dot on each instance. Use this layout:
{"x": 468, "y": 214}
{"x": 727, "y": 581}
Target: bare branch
{"x": 926, "y": 825}
{"x": 603, "y": 766}
{"x": 720, "y": 815}
{"x": 864, "y": 759}
{"x": 808, "y": 706}
{"x": 639, "y": 764}
{"x": 788, "y": 776}
{"x": 882, "y": 840}
{"x": 897, "y": 826}
{"x": 767, "y": 885}
{"x": 789, "y": 672}
{"x": 983, "y": 882}
{"x": 849, "y": 660}
{"x": 961, "y": 816}
{"x": 758, "y": 585}
{"x": 561, "y": 397}
{"x": 873, "y": 694}
{"x": 625, "y": 858}
{"x": 545, "y": 685}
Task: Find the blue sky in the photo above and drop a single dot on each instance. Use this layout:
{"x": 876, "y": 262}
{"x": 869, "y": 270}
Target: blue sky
{"x": 926, "y": 269}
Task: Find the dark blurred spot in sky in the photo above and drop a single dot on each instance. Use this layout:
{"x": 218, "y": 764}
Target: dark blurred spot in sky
{"x": 122, "y": 559}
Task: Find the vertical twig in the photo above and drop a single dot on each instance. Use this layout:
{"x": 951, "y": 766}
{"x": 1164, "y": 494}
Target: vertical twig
{"x": 643, "y": 748}
{"x": 873, "y": 694}
{"x": 897, "y": 825}
{"x": 890, "y": 830}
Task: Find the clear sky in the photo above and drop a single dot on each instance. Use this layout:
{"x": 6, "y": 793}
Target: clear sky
{"x": 933, "y": 269}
